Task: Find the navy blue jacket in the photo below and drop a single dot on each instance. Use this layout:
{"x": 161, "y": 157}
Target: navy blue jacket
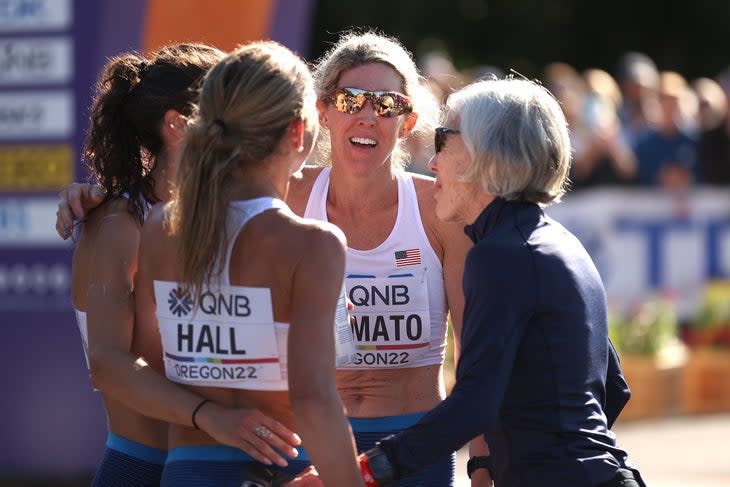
{"x": 537, "y": 374}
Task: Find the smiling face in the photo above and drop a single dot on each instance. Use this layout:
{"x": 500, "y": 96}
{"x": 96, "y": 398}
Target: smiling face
{"x": 364, "y": 141}
{"x": 456, "y": 200}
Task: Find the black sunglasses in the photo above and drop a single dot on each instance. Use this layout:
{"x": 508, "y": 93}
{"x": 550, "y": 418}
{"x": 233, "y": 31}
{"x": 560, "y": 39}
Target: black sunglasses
{"x": 385, "y": 103}
{"x": 439, "y": 137}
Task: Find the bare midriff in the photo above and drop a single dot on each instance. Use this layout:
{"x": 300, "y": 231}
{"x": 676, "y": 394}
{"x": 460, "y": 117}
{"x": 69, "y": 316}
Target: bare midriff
{"x": 390, "y": 392}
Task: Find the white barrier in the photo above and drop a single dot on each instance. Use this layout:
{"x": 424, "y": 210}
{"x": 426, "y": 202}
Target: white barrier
{"x": 644, "y": 241}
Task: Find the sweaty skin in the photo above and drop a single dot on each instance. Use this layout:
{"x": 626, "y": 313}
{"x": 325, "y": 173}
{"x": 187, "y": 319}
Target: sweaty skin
{"x": 387, "y": 392}
{"x": 365, "y": 393}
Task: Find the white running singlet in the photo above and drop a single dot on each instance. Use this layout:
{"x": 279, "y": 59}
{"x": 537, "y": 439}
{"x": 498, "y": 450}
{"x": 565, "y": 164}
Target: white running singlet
{"x": 397, "y": 288}
{"x": 230, "y": 339}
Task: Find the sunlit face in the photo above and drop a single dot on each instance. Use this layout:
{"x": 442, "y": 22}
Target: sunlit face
{"x": 363, "y": 141}
{"x": 455, "y": 199}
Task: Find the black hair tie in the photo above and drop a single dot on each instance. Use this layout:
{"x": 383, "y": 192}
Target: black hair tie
{"x": 220, "y": 124}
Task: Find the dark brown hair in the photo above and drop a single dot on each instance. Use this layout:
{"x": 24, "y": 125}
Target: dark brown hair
{"x": 132, "y": 96}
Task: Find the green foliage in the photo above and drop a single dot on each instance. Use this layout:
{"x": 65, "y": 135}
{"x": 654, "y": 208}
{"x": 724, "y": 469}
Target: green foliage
{"x": 651, "y": 328}
{"x": 715, "y": 308}
{"x": 711, "y": 325}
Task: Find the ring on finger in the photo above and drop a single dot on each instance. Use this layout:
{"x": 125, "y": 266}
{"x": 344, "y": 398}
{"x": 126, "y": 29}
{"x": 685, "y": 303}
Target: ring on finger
{"x": 262, "y": 432}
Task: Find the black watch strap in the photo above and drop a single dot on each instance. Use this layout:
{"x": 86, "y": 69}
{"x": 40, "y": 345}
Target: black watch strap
{"x": 380, "y": 465}
{"x": 475, "y": 463}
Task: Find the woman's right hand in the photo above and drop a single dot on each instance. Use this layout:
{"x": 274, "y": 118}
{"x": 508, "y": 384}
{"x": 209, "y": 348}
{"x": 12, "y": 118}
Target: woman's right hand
{"x": 249, "y": 430}
{"x": 73, "y": 202}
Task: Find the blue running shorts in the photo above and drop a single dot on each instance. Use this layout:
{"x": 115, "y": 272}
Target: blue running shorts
{"x": 368, "y": 431}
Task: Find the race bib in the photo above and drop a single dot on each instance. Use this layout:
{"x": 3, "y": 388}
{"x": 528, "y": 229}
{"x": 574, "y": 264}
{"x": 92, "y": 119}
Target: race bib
{"x": 226, "y": 339}
{"x": 344, "y": 342}
{"x": 392, "y": 326}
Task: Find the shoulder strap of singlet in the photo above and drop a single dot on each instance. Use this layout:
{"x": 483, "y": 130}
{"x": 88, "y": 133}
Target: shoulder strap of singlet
{"x": 239, "y": 213}
{"x": 317, "y": 201}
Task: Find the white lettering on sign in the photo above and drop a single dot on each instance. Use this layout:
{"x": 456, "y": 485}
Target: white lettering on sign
{"x": 36, "y": 61}
{"x": 25, "y": 115}
{"x": 35, "y": 278}
{"x": 29, "y": 221}
{"x": 25, "y": 15}
{"x": 646, "y": 241}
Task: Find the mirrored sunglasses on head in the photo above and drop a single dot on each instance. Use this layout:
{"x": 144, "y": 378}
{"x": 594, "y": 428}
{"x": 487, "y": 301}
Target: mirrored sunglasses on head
{"x": 385, "y": 103}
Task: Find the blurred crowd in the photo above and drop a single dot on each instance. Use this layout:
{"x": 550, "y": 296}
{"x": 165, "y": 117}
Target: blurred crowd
{"x": 640, "y": 126}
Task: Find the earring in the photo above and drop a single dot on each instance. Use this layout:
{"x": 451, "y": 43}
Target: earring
{"x": 300, "y": 148}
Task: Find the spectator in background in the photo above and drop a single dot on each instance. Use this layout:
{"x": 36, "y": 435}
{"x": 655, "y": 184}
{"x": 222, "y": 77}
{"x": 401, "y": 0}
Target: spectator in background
{"x": 605, "y": 157}
{"x": 442, "y": 79}
{"x": 638, "y": 78}
{"x": 711, "y": 103}
{"x": 713, "y": 151}
{"x": 569, "y": 88}
{"x": 600, "y": 154}
{"x": 419, "y": 144}
{"x": 438, "y": 68}
{"x": 667, "y": 152}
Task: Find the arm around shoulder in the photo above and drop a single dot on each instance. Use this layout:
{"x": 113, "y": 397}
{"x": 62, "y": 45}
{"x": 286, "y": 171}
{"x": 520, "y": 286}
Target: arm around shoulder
{"x": 107, "y": 254}
{"x": 74, "y": 201}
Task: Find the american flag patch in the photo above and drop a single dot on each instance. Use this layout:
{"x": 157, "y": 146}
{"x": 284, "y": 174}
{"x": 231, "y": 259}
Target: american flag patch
{"x": 407, "y": 257}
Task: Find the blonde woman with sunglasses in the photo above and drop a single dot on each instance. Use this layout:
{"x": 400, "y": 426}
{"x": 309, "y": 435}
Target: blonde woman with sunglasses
{"x": 404, "y": 266}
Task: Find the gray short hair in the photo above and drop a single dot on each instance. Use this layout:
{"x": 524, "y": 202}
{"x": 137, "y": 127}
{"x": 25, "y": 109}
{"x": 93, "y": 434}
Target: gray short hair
{"x": 517, "y": 136}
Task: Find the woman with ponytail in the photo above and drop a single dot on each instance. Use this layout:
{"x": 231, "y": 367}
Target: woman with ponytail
{"x": 236, "y": 292}
{"x": 137, "y": 124}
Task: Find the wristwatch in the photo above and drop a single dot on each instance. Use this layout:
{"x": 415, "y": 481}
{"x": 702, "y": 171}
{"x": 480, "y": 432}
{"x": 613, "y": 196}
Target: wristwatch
{"x": 475, "y": 463}
{"x": 380, "y": 465}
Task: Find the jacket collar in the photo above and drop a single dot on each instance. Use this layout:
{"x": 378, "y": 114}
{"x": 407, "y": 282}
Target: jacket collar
{"x": 485, "y": 221}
